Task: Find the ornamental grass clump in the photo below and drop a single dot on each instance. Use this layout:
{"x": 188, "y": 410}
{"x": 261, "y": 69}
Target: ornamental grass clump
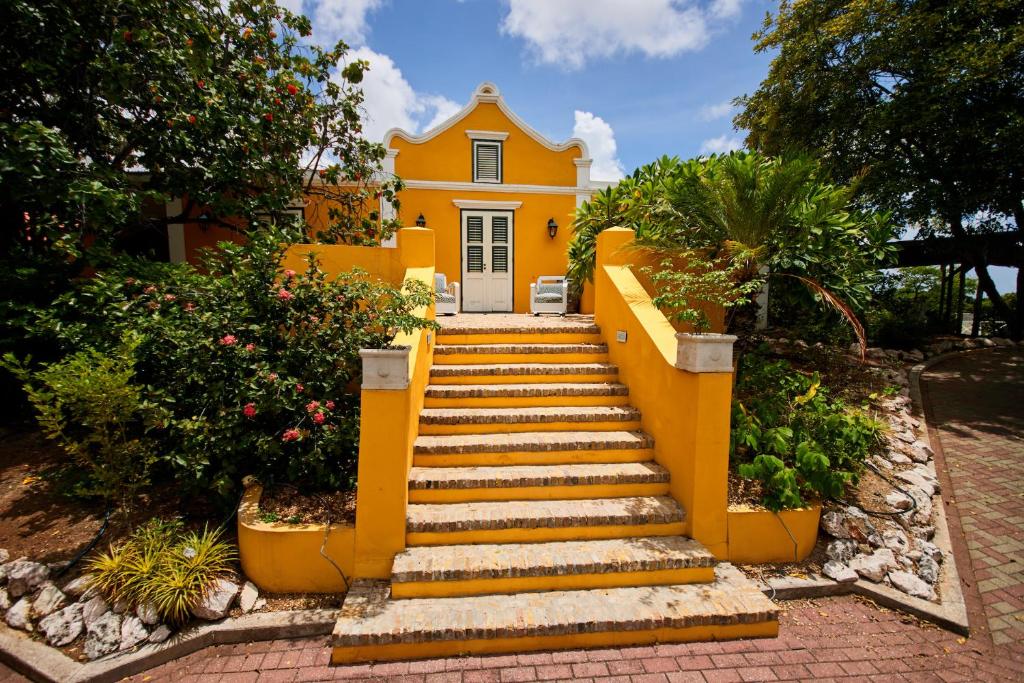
{"x": 163, "y": 566}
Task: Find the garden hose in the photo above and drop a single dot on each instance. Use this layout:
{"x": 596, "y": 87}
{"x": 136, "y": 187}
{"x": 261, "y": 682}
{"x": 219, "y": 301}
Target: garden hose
{"x": 92, "y": 544}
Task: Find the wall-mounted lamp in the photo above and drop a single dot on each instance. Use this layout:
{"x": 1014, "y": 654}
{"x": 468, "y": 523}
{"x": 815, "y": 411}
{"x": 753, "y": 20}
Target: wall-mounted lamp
{"x": 421, "y": 222}
{"x": 552, "y": 228}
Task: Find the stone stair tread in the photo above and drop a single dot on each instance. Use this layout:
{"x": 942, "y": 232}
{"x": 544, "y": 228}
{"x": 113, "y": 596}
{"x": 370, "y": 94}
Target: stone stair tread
{"x": 534, "y": 514}
{"x": 368, "y": 617}
{"x": 533, "y": 348}
{"x": 526, "y": 390}
{"x": 516, "y": 324}
{"x": 453, "y": 416}
{"x": 516, "y": 560}
{"x": 531, "y": 442}
{"x": 499, "y": 369}
{"x": 513, "y": 476}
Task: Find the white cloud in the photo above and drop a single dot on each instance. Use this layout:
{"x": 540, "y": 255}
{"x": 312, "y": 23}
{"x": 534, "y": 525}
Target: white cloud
{"x": 716, "y": 111}
{"x": 293, "y": 6}
{"x": 571, "y": 32}
{"x": 335, "y": 20}
{"x": 722, "y": 144}
{"x": 600, "y": 139}
{"x": 391, "y": 102}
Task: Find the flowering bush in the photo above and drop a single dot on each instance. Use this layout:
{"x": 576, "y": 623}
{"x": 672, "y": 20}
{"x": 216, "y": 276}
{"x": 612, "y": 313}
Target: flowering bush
{"x": 256, "y": 370}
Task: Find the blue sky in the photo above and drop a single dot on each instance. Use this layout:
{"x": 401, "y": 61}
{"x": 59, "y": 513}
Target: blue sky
{"x": 635, "y": 78}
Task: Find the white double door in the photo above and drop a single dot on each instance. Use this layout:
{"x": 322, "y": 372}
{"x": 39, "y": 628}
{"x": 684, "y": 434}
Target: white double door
{"x": 487, "y": 238}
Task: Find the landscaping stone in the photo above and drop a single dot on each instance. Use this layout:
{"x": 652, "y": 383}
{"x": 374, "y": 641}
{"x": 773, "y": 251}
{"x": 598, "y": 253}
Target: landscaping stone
{"x": 5, "y": 599}
{"x": 928, "y": 569}
{"x": 247, "y": 599}
{"x": 133, "y": 632}
{"x": 119, "y": 606}
{"x": 19, "y": 615}
{"x": 924, "y": 532}
{"x": 160, "y": 634}
{"x": 897, "y": 458}
{"x": 103, "y": 635}
{"x": 930, "y": 550}
{"x": 841, "y": 550}
{"x": 896, "y": 541}
{"x": 24, "y": 576}
{"x": 218, "y": 601}
{"x": 849, "y": 523}
{"x": 837, "y": 571}
{"x": 875, "y": 566}
{"x": 76, "y": 588}
{"x": 93, "y": 609}
{"x": 259, "y": 604}
{"x": 921, "y": 478}
{"x": 4, "y": 556}
{"x": 49, "y": 600}
{"x": 62, "y": 627}
{"x": 148, "y": 614}
{"x": 911, "y": 585}
{"x": 899, "y": 501}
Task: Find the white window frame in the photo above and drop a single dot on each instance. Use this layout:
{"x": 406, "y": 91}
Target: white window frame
{"x": 501, "y": 171}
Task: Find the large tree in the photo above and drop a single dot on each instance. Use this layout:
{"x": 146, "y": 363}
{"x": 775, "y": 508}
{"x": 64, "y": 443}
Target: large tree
{"x": 928, "y": 96}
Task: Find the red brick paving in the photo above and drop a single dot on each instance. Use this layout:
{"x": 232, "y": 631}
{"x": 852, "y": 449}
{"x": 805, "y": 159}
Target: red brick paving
{"x": 976, "y": 399}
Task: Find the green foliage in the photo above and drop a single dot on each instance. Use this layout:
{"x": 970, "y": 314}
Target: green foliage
{"x": 90, "y": 406}
{"x": 788, "y": 434}
{"x": 163, "y": 565}
{"x": 254, "y": 369}
{"x": 684, "y": 293}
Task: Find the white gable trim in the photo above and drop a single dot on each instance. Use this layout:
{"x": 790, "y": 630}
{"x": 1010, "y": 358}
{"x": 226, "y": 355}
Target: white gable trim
{"x": 483, "y": 204}
{"x": 487, "y": 92}
{"x": 486, "y": 134}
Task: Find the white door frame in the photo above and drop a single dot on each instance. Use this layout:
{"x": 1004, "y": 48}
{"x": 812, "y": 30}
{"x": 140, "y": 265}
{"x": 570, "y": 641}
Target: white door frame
{"x": 485, "y": 290}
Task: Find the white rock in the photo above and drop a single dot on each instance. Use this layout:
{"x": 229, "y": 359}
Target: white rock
{"x": 896, "y": 541}
{"x": 899, "y": 501}
{"x": 926, "y": 532}
{"x": 119, "y": 606}
{"x": 218, "y": 600}
{"x": 930, "y": 549}
{"x": 24, "y": 576}
{"x": 260, "y": 604}
{"x": 18, "y": 616}
{"x": 247, "y": 599}
{"x": 896, "y": 457}
{"x": 103, "y": 635}
{"x": 837, "y": 571}
{"x": 841, "y": 550}
{"x": 911, "y": 585}
{"x": 914, "y": 355}
{"x": 62, "y": 627}
{"x": 917, "y": 477}
{"x": 928, "y": 569}
{"x": 160, "y": 634}
{"x": 76, "y": 588}
{"x": 4, "y": 556}
{"x": 5, "y": 599}
{"x": 848, "y": 523}
{"x": 93, "y": 609}
{"x": 133, "y": 632}
{"x": 48, "y": 600}
{"x": 874, "y": 566}
{"x": 148, "y": 614}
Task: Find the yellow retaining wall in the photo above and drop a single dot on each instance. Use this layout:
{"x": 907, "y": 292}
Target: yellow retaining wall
{"x": 285, "y": 558}
{"x": 378, "y": 262}
{"x": 757, "y": 536}
{"x": 686, "y": 413}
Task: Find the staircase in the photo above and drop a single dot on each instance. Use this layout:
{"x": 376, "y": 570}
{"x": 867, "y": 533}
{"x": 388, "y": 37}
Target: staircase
{"x": 538, "y": 518}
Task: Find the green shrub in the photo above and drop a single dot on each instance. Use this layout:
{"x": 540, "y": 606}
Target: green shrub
{"x": 256, "y": 370}
{"x": 162, "y": 565}
{"x": 90, "y": 406}
{"x": 791, "y": 437}
{"x": 684, "y": 294}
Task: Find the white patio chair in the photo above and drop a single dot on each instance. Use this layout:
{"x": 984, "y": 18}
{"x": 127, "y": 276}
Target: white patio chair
{"x": 549, "y": 294}
{"x": 446, "y": 296}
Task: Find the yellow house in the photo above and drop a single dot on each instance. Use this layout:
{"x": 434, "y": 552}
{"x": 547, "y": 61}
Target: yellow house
{"x": 498, "y": 195}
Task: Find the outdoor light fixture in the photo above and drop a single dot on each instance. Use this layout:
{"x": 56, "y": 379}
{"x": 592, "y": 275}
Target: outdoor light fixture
{"x": 421, "y": 222}
{"x": 552, "y": 228}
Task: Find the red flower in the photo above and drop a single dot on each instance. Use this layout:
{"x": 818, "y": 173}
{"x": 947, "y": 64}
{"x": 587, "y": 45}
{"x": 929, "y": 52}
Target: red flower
{"x": 201, "y": 83}
{"x": 150, "y": 289}
{"x": 272, "y": 377}
{"x": 319, "y": 418}
{"x": 330, "y": 405}
{"x": 250, "y": 347}
{"x": 249, "y": 410}
{"x": 169, "y": 297}
{"x": 290, "y": 435}
{"x": 127, "y": 35}
{"x": 289, "y": 273}
{"x": 277, "y": 100}
{"x": 189, "y": 307}
{"x": 273, "y": 35}
{"x": 299, "y": 388}
{"x": 292, "y": 89}
{"x": 192, "y": 118}
{"x": 312, "y": 406}
{"x": 283, "y": 294}
{"x": 228, "y": 340}
{"x": 269, "y": 116}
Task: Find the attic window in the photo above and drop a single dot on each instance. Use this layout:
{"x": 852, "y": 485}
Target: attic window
{"x": 486, "y": 161}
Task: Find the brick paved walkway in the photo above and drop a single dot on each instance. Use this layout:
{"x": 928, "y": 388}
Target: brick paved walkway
{"x": 977, "y": 399}
{"x": 977, "y": 402}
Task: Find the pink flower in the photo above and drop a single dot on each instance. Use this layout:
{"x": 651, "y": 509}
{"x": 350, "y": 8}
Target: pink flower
{"x": 299, "y": 388}
{"x": 169, "y": 297}
{"x": 290, "y": 435}
{"x": 228, "y": 340}
{"x": 249, "y": 410}
{"x": 189, "y": 307}
{"x": 312, "y": 406}
{"x": 318, "y": 418}
{"x": 130, "y": 281}
{"x": 272, "y": 377}
{"x": 314, "y": 319}
{"x": 284, "y": 295}
{"x": 150, "y": 289}
{"x": 289, "y": 273}
{"x": 330, "y": 405}
{"x": 250, "y": 347}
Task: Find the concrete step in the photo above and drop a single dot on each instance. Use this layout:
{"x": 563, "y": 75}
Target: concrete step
{"x": 517, "y": 373}
{"x": 469, "y": 354}
{"x": 532, "y": 448}
{"x": 512, "y": 395}
{"x": 533, "y": 482}
{"x": 532, "y": 419}
{"x": 543, "y": 336}
{"x": 538, "y": 521}
{"x": 371, "y": 626}
{"x": 446, "y": 571}
{"x": 470, "y": 324}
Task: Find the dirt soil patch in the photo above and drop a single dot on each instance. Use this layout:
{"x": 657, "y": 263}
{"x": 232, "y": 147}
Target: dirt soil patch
{"x": 284, "y": 503}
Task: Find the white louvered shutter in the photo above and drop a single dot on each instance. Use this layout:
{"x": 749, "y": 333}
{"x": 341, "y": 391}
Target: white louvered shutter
{"x": 487, "y": 162}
